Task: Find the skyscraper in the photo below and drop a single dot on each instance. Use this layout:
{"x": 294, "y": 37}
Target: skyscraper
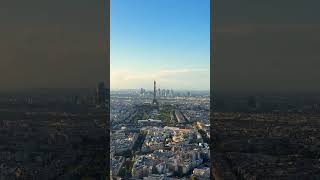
{"x": 101, "y": 94}
{"x": 172, "y": 93}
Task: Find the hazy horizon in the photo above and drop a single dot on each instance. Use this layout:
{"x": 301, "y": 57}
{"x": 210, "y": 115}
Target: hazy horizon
{"x": 149, "y": 89}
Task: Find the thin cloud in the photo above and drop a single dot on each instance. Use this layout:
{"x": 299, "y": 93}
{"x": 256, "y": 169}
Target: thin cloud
{"x": 164, "y": 73}
{"x": 125, "y": 78}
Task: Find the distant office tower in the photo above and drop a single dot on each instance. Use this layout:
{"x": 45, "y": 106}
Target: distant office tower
{"x": 101, "y": 94}
{"x": 159, "y": 92}
{"x": 155, "y": 102}
{"x": 163, "y": 93}
{"x": 75, "y": 99}
{"x": 29, "y": 100}
{"x": 252, "y": 102}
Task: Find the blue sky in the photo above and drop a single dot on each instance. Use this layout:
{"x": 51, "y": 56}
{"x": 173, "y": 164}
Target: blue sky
{"x": 165, "y": 40}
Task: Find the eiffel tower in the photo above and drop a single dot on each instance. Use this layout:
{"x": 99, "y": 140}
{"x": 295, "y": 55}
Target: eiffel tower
{"x": 154, "y": 102}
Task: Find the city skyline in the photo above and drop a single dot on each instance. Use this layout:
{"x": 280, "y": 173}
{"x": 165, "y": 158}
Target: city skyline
{"x": 167, "y": 41}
